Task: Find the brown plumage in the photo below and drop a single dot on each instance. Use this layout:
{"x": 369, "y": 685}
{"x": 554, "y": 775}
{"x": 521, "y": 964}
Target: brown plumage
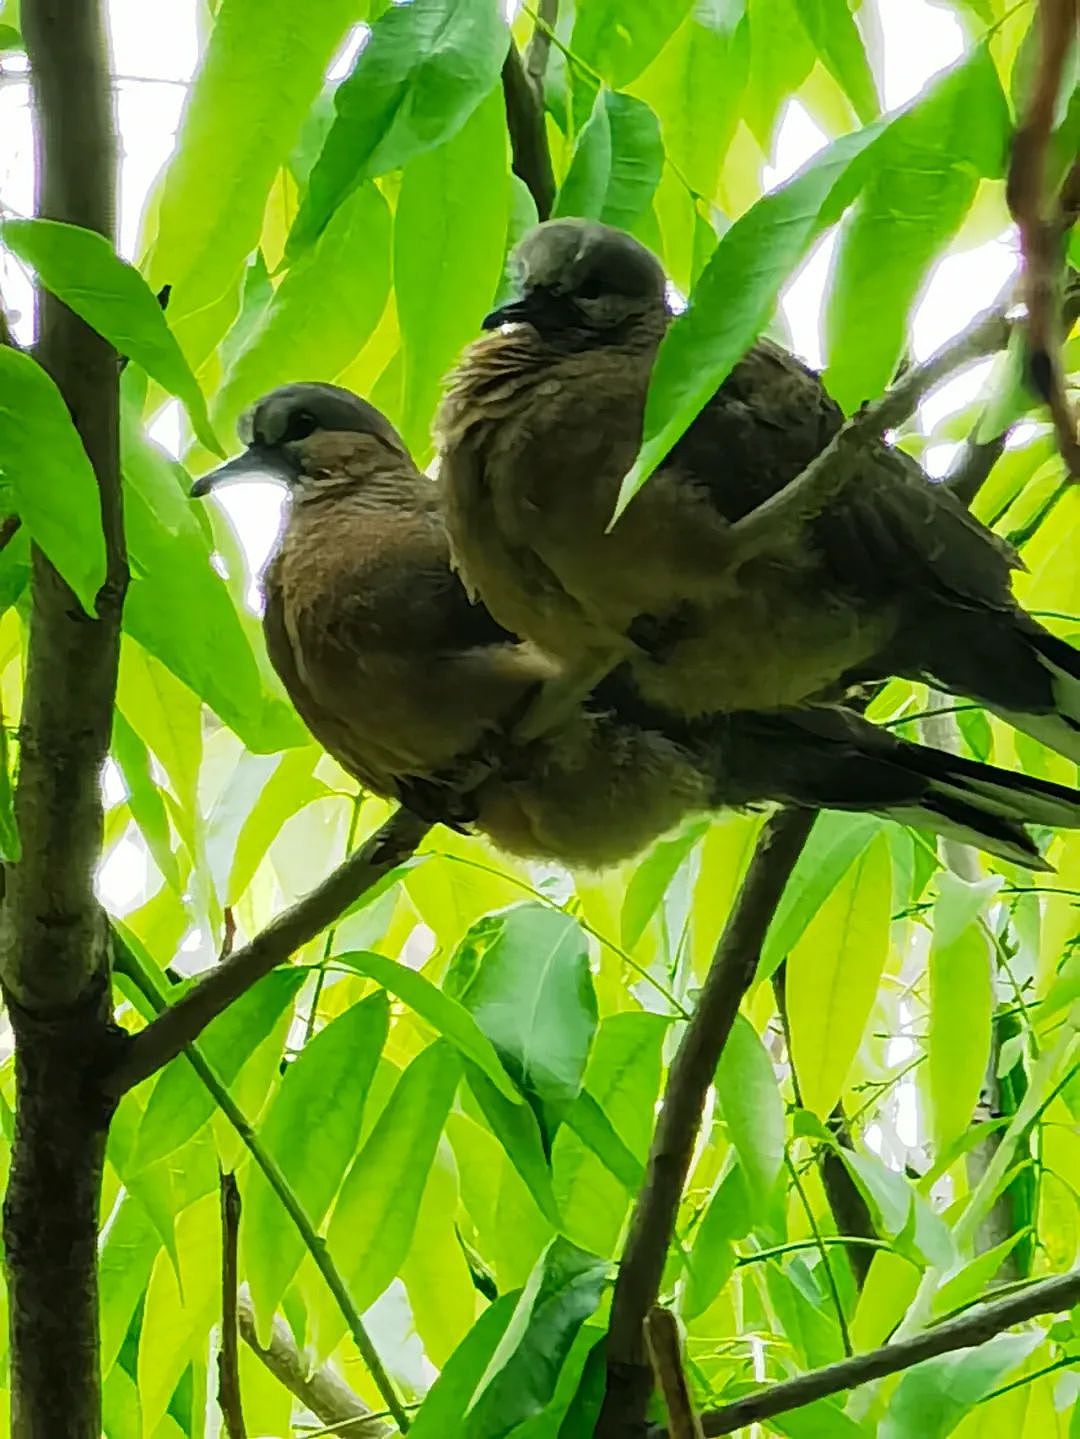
{"x": 543, "y": 419}
{"x": 413, "y": 688}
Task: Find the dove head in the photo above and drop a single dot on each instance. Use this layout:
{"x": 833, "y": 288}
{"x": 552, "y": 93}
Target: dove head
{"x": 281, "y": 431}
{"x": 579, "y": 277}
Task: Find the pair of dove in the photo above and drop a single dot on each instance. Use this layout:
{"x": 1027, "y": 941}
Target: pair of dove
{"x": 717, "y": 671}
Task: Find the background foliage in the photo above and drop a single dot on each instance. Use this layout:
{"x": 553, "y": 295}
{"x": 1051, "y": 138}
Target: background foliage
{"x": 457, "y": 1083}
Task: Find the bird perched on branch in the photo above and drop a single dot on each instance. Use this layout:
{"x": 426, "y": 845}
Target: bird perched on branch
{"x": 892, "y": 576}
{"x": 413, "y": 689}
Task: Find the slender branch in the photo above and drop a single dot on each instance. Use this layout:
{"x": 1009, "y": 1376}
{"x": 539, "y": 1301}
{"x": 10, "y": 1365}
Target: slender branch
{"x": 977, "y": 1326}
{"x": 828, "y": 473}
{"x": 1041, "y": 236}
{"x": 319, "y": 1389}
{"x": 278, "y": 1182}
{"x": 165, "y": 1037}
{"x": 665, "y": 1354}
{"x": 538, "y": 50}
{"x": 531, "y": 157}
{"x": 229, "y": 1399}
{"x": 653, "y": 1221}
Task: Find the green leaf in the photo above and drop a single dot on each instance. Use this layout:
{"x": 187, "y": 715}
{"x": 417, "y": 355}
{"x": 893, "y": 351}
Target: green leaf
{"x": 323, "y": 311}
{"x": 562, "y": 1292}
{"x": 144, "y": 798}
{"x": 961, "y": 1004}
{"x": 183, "y": 613}
{"x": 834, "y": 844}
{"x": 443, "y": 1409}
{"x": 450, "y": 1018}
{"x": 524, "y": 976}
{"x": 833, "y": 974}
{"x": 50, "y": 479}
{"x": 129, "y": 1245}
{"x": 934, "y": 1396}
{"x": 925, "y": 176}
{"x": 291, "y": 787}
{"x": 424, "y": 70}
{"x": 179, "y": 1103}
{"x": 449, "y": 235}
{"x": 738, "y": 289}
{"x": 618, "y": 38}
{"x": 517, "y": 1129}
{"x": 650, "y": 881}
{"x": 82, "y": 269}
{"x": 263, "y": 66}
{"x": 750, "y": 1105}
{"x": 311, "y": 1130}
{"x": 616, "y": 163}
{"x": 10, "y": 39}
{"x": 832, "y": 28}
{"x": 712, "y": 1257}
{"x": 373, "y": 1220}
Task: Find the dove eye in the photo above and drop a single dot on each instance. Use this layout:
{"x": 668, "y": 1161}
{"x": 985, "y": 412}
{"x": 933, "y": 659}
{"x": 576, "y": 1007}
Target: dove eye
{"x": 591, "y": 288}
{"x": 301, "y": 424}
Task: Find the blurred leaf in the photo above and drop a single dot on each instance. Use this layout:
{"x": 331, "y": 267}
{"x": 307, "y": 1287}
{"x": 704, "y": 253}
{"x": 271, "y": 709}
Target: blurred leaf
{"x": 10, "y": 39}
{"x": 373, "y": 1219}
{"x": 524, "y": 976}
{"x": 618, "y": 38}
{"x": 263, "y": 66}
{"x": 961, "y": 1002}
{"x": 436, "y": 1275}
{"x": 781, "y": 57}
{"x": 959, "y": 1290}
{"x": 444, "y": 1014}
{"x": 833, "y": 974}
{"x": 449, "y": 235}
{"x": 934, "y": 1396}
{"x": 563, "y": 1291}
{"x": 129, "y": 1245}
{"x": 292, "y": 786}
{"x": 82, "y": 269}
{"x": 50, "y": 481}
{"x": 322, "y": 312}
{"x": 702, "y": 70}
{"x": 616, "y": 163}
{"x": 423, "y": 71}
{"x": 180, "y": 1103}
{"x": 311, "y": 1130}
{"x": 925, "y": 176}
{"x": 443, "y": 1410}
{"x": 831, "y": 26}
{"x": 749, "y": 1102}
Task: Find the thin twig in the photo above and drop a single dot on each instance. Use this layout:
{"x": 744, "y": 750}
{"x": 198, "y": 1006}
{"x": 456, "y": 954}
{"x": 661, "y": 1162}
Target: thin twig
{"x": 665, "y": 1354}
{"x": 1040, "y": 234}
{"x": 538, "y": 50}
{"x": 165, "y": 1037}
{"x": 976, "y": 1327}
{"x": 823, "y": 1253}
{"x": 653, "y": 1222}
{"x": 278, "y": 1182}
{"x": 319, "y": 1389}
{"x": 828, "y": 473}
{"x": 229, "y": 1400}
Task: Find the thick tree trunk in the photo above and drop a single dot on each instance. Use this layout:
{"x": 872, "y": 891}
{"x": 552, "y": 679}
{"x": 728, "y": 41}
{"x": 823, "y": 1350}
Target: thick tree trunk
{"x": 51, "y": 1223}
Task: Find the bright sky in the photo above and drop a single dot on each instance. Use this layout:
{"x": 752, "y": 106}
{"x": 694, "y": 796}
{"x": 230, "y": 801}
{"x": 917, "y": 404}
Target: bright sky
{"x": 155, "y": 51}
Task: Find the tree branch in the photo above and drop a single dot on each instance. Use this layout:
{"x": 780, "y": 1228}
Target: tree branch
{"x": 319, "y": 1389}
{"x": 975, "y": 1327}
{"x": 827, "y": 474}
{"x": 665, "y": 1354}
{"x": 53, "y": 951}
{"x": 538, "y": 50}
{"x": 653, "y": 1221}
{"x": 1041, "y": 236}
{"x": 165, "y": 1037}
{"x": 229, "y": 1397}
{"x": 531, "y": 157}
